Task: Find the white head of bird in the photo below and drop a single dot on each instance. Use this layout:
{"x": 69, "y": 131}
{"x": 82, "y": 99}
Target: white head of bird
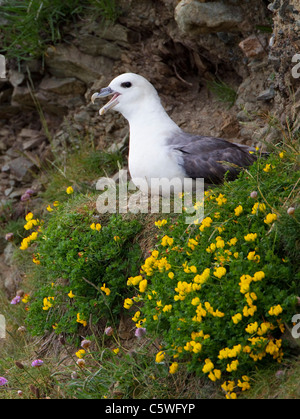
{"x": 130, "y": 93}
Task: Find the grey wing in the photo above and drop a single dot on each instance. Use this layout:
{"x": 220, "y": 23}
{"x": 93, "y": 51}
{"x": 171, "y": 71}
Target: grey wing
{"x": 206, "y": 157}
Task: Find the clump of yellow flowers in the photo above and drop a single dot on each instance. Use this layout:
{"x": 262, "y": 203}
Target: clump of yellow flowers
{"x": 217, "y": 292}
{"x": 30, "y": 224}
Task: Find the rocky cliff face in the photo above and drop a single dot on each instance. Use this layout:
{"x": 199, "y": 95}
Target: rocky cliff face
{"x": 179, "y": 46}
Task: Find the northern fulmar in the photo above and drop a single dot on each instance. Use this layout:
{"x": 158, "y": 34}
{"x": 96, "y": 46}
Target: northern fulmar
{"x": 158, "y": 147}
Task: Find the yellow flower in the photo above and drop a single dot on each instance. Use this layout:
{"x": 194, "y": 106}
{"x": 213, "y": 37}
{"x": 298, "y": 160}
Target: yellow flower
{"x": 29, "y": 216}
{"x": 167, "y": 308}
{"x": 219, "y": 272}
{"x": 258, "y": 207}
{"x": 24, "y": 244}
{"x": 253, "y": 256}
{"x": 192, "y": 243}
{"x": 220, "y": 243}
{"x": 56, "y": 203}
{"x": 167, "y": 241}
{"x": 270, "y": 218}
{"x": 47, "y": 303}
{"x": 251, "y": 237}
{"x": 33, "y": 236}
{"x": 116, "y": 351}
{"x": 134, "y": 280}
{"x": 211, "y": 248}
{"x": 80, "y": 320}
{"x": 128, "y": 303}
{"x": 49, "y": 209}
{"x": 208, "y": 366}
{"x": 245, "y": 283}
{"x": 136, "y": 316}
{"x": 275, "y": 310}
{"x": 160, "y": 223}
{"x": 264, "y": 327}
{"x": 116, "y": 238}
{"x": 105, "y": 289}
{"x": 244, "y": 385}
{"x": 281, "y": 155}
{"x": 36, "y": 261}
{"x": 233, "y": 241}
{"x": 160, "y": 356}
{"x": 268, "y": 167}
{"x": 69, "y": 190}
{"x": 206, "y": 222}
{"x": 252, "y": 328}
{"x": 80, "y": 354}
{"x": 228, "y": 387}
{"x": 238, "y": 210}
{"x": 173, "y": 368}
{"x": 143, "y": 285}
{"x": 221, "y": 199}
{"x": 95, "y": 226}
{"x": 214, "y": 375}
{"x": 231, "y": 396}
{"x": 230, "y": 353}
{"x": 71, "y": 295}
{"x": 237, "y": 318}
{"x": 171, "y": 275}
{"x": 233, "y": 366}
{"x": 26, "y": 298}
{"x": 258, "y": 276}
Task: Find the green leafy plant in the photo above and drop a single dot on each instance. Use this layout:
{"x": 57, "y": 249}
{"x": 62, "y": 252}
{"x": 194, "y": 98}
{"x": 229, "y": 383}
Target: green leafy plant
{"x": 31, "y": 25}
{"x": 82, "y": 265}
{"x": 219, "y": 294}
{"x": 224, "y": 92}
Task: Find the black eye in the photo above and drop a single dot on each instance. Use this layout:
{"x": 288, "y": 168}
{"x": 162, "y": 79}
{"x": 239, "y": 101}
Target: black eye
{"x": 126, "y": 84}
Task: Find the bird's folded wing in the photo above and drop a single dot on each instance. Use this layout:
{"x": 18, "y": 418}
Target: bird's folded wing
{"x": 210, "y": 158}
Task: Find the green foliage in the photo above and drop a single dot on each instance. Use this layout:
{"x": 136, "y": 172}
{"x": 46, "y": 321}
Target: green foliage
{"x": 219, "y": 295}
{"x": 224, "y": 92}
{"x": 82, "y": 168}
{"x": 74, "y": 252}
{"x": 31, "y": 25}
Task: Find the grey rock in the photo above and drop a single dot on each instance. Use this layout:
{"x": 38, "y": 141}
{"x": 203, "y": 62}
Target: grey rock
{"x": 15, "y": 77}
{"x": 21, "y": 168}
{"x": 92, "y": 45}
{"x": 82, "y": 117}
{"x": 266, "y": 95}
{"x": 16, "y": 194}
{"x": 21, "y": 96}
{"x": 5, "y": 168}
{"x": 195, "y": 18}
{"x": 29, "y": 133}
{"x": 68, "y": 61}
{"x": 66, "y": 86}
{"x": 33, "y": 143}
{"x": 8, "y": 191}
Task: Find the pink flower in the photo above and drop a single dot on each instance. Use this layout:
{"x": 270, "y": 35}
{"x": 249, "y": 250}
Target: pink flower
{"x": 30, "y": 192}
{"x": 140, "y": 332}
{"x": 37, "y": 363}
{"x": 9, "y": 236}
{"x": 109, "y": 331}
{"x": 3, "y": 381}
{"x": 25, "y": 197}
{"x": 16, "y": 300}
{"x": 85, "y": 344}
